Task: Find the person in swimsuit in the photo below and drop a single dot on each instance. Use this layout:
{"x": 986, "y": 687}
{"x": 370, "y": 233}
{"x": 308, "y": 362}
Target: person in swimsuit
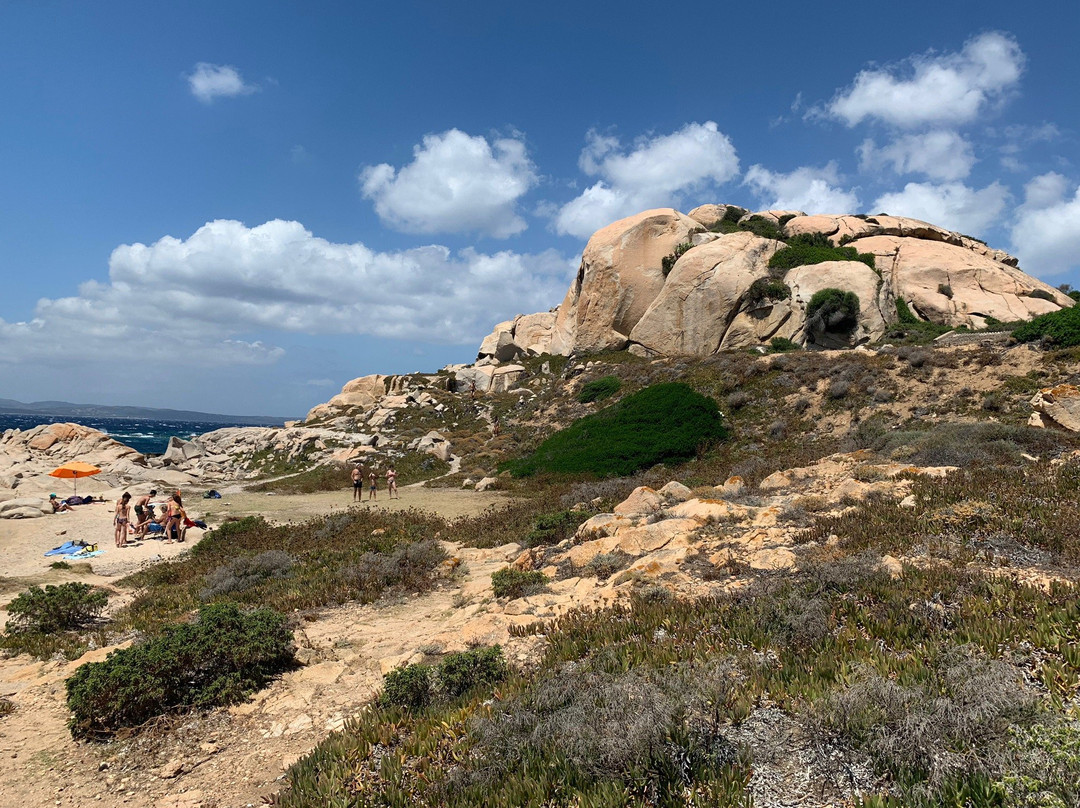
{"x": 58, "y": 505}
{"x": 373, "y": 485}
{"x": 122, "y": 519}
{"x": 174, "y": 521}
{"x": 357, "y": 483}
{"x": 391, "y": 482}
{"x": 144, "y": 512}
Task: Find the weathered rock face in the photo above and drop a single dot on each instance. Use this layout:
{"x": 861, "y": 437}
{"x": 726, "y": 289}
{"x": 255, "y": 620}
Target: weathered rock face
{"x": 621, "y": 273}
{"x": 525, "y": 335}
{"x": 358, "y": 394}
{"x": 26, "y": 455}
{"x": 708, "y": 301}
{"x": 1060, "y": 405}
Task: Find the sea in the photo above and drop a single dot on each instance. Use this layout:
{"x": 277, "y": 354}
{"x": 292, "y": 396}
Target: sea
{"x": 145, "y": 436}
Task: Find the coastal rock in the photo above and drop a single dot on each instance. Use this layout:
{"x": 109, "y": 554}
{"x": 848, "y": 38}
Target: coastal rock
{"x": 1060, "y": 405}
{"x": 621, "y": 273}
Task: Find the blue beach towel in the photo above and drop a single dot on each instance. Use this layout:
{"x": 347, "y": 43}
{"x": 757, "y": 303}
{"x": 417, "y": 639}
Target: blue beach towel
{"x": 81, "y": 555}
{"x": 64, "y": 549}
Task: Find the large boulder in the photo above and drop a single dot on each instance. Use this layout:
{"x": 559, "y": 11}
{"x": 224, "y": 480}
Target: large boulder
{"x": 702, "y": 295}
{"x": 525, "y": 335}
{"x": 848, "y": 276}
{"x": 621, "y": 274}
{"x": 1061, "y": 405}
{"x": 358, "y": 394}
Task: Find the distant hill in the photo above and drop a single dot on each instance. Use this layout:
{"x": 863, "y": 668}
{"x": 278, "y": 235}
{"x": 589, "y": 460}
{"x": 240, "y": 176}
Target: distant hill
{"x": 69, "y": 410}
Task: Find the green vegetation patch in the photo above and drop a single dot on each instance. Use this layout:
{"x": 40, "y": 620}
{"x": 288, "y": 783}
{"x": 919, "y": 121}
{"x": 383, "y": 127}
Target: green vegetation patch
{"x": 833, "y": 310}
{"x": 414, "y": 687}
{"x": 770, "y": 289}
{"x": 219, "y": 659}
{"x": 783, "y": 345}
{"x": 599, "y": 389}
{"x": 1059, "y": 329}
{"x": 664, "y": 423}
{"x": 53, "y": 620}
{"x": 510, "y": 582}
{"x": 815, "y": 248}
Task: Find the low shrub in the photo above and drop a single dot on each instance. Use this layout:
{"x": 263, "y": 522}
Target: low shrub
{"x": 664, "y": 423}
{"x": 552, "y": 528}
{"x": 409, "y": 566}
{"x": 1042, "y": 294}
{"x": 904, "y": 314}
{"x": 219, "y": 659}
{"x": 512, "y": 583}
{"x": 832, "y": 310}
{"x": 783, "y": 345}
{"x": 770, "y": 289}
{"x": 599, "y": 389}
{"x": 409, "y": 686}
{"x": 669, "y": 261}
{"x": 945, "y": 289}
{"x": 815, "y": 248}
{"x": 417, "y": 686}
{"x": 604, "y": 565}
{"x": 245, "y": 573}
{"x": 7, "y": 707}
{"x": 1060, "y": 329}
{"x": 762, "y": 227}
{"x": 55, "y": 608}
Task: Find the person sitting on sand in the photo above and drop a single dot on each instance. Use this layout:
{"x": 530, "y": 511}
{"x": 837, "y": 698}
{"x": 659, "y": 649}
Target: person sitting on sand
{"x": 58, "y": 505}
{"x": 391, "y": 482}
{"x": 373, "y": 485}
{"x": 121, "y": 519}
{"x": 357, "y": 483}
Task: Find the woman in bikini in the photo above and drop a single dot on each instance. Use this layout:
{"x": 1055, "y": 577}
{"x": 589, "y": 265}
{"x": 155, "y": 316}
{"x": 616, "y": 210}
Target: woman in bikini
{"x": 174, "y": 521}
{"x": 122, "y": 518}
{"x": 391, "y": 482}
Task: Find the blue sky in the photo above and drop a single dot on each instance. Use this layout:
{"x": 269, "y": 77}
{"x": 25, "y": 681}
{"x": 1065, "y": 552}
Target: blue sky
{"x": 237, "y": 207}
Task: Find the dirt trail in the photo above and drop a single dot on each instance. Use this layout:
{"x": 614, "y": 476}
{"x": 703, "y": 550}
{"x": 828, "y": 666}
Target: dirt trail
{"x": 237, "y": 757}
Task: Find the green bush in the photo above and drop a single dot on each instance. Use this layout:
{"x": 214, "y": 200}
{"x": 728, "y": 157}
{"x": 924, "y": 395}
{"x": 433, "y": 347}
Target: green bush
{"x": 661, "y": 424}
{"x": 668, "y": 261}
{"x": 783, "y": 345}
{"x": 514, "y": 583}
{"x": 219, "y": 659}
{"x": 815, "y": 248}
{"x": 599, "y": 389}
{"x": 409, "y": 686}
{"x": 1060, "y": 329}
{"x": 904, "y": 314}
{"x": 246, "y": 573}
{"x": 762, "y": 227}
{"x": 55, "y": 608}
{"x": 417, "y": 686}
{"x": 833, "y": 310}
{"x": 770, "y": 289}
{"x": 552, "y": 528}
{"x": 1041, "y": 294}
{"x": 459, "y": 673}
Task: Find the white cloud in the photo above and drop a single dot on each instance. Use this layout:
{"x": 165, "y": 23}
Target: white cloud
{"x": 934, "y": 89}
{"x": 456, "y": 183}
{"x": 203, "y": 299}
{"x": 942, "y": 154}
{"x": 1046, "y": 233}
{"x": 952, "y": 205}
{"x": 210, "y": 81}
{"x": 806, "y": 188}
{"x": 659, "y": 172}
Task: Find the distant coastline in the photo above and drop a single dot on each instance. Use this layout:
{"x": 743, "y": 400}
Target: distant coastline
{"x": 50, "y": 411}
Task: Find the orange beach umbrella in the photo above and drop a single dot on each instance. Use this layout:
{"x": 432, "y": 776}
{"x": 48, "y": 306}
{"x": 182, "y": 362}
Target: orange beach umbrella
{"x": 74, "y": 470}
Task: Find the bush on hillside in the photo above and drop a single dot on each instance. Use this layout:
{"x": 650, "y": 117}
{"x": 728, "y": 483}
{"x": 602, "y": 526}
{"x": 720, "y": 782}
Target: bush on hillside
{"x": 55, "y": 608}
{"x": 599, "y": 389}
{"x": 815, "y": 248}
{"x": 417, "y": 686}
{"x": 668, "y": 262}
{"x": 1061, "y": 329}
{"x": 769, "y": 289}
{"x": 833, "y": 310}
{"x": 783, "y": 345}
{"x": 246, "y": 573}
{"x": 510, "y": 582}
{"x": 763, "y": 227}
{"x": 664, "y": 423}
{"x": 219, "y": 659}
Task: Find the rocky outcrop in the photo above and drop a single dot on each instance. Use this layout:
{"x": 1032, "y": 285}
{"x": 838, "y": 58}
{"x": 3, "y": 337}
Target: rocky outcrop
{"x": 661, "y": 283}
{"x": 1059, "y": 405}
{"x": 621, "y": 273}
{"x": 27, "y": 455}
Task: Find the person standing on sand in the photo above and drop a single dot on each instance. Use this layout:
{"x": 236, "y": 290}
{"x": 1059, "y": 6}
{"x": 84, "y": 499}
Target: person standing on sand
{"x": 121, "y": 519}
{"x": 357, "y": 483}
{"x": 174, "y": 521}
{"x": 391, "y": 483}
{"x": 373, "y": 485}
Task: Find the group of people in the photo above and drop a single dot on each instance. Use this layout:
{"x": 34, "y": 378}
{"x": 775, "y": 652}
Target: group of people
{"x": 373, "y": 483}
{"x": 173, "y": 519}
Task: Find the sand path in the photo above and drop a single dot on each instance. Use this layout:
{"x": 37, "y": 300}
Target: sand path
{"x": 238, "y": 756}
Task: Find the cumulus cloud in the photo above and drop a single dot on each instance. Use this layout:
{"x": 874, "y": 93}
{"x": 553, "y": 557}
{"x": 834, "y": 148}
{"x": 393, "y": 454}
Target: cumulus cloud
{"x": 941, "y": 155}
{"x": 806, "y": 188}
{"x": 1046, "y": 233}
{"x": 209, "y": 81}
{"x": 934, "y": 89}
{"x": 201, "y": 300}
{"x": 952, "y": 205}
{"x": 657, "y": 172}
{"x": 456, "y": 183}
